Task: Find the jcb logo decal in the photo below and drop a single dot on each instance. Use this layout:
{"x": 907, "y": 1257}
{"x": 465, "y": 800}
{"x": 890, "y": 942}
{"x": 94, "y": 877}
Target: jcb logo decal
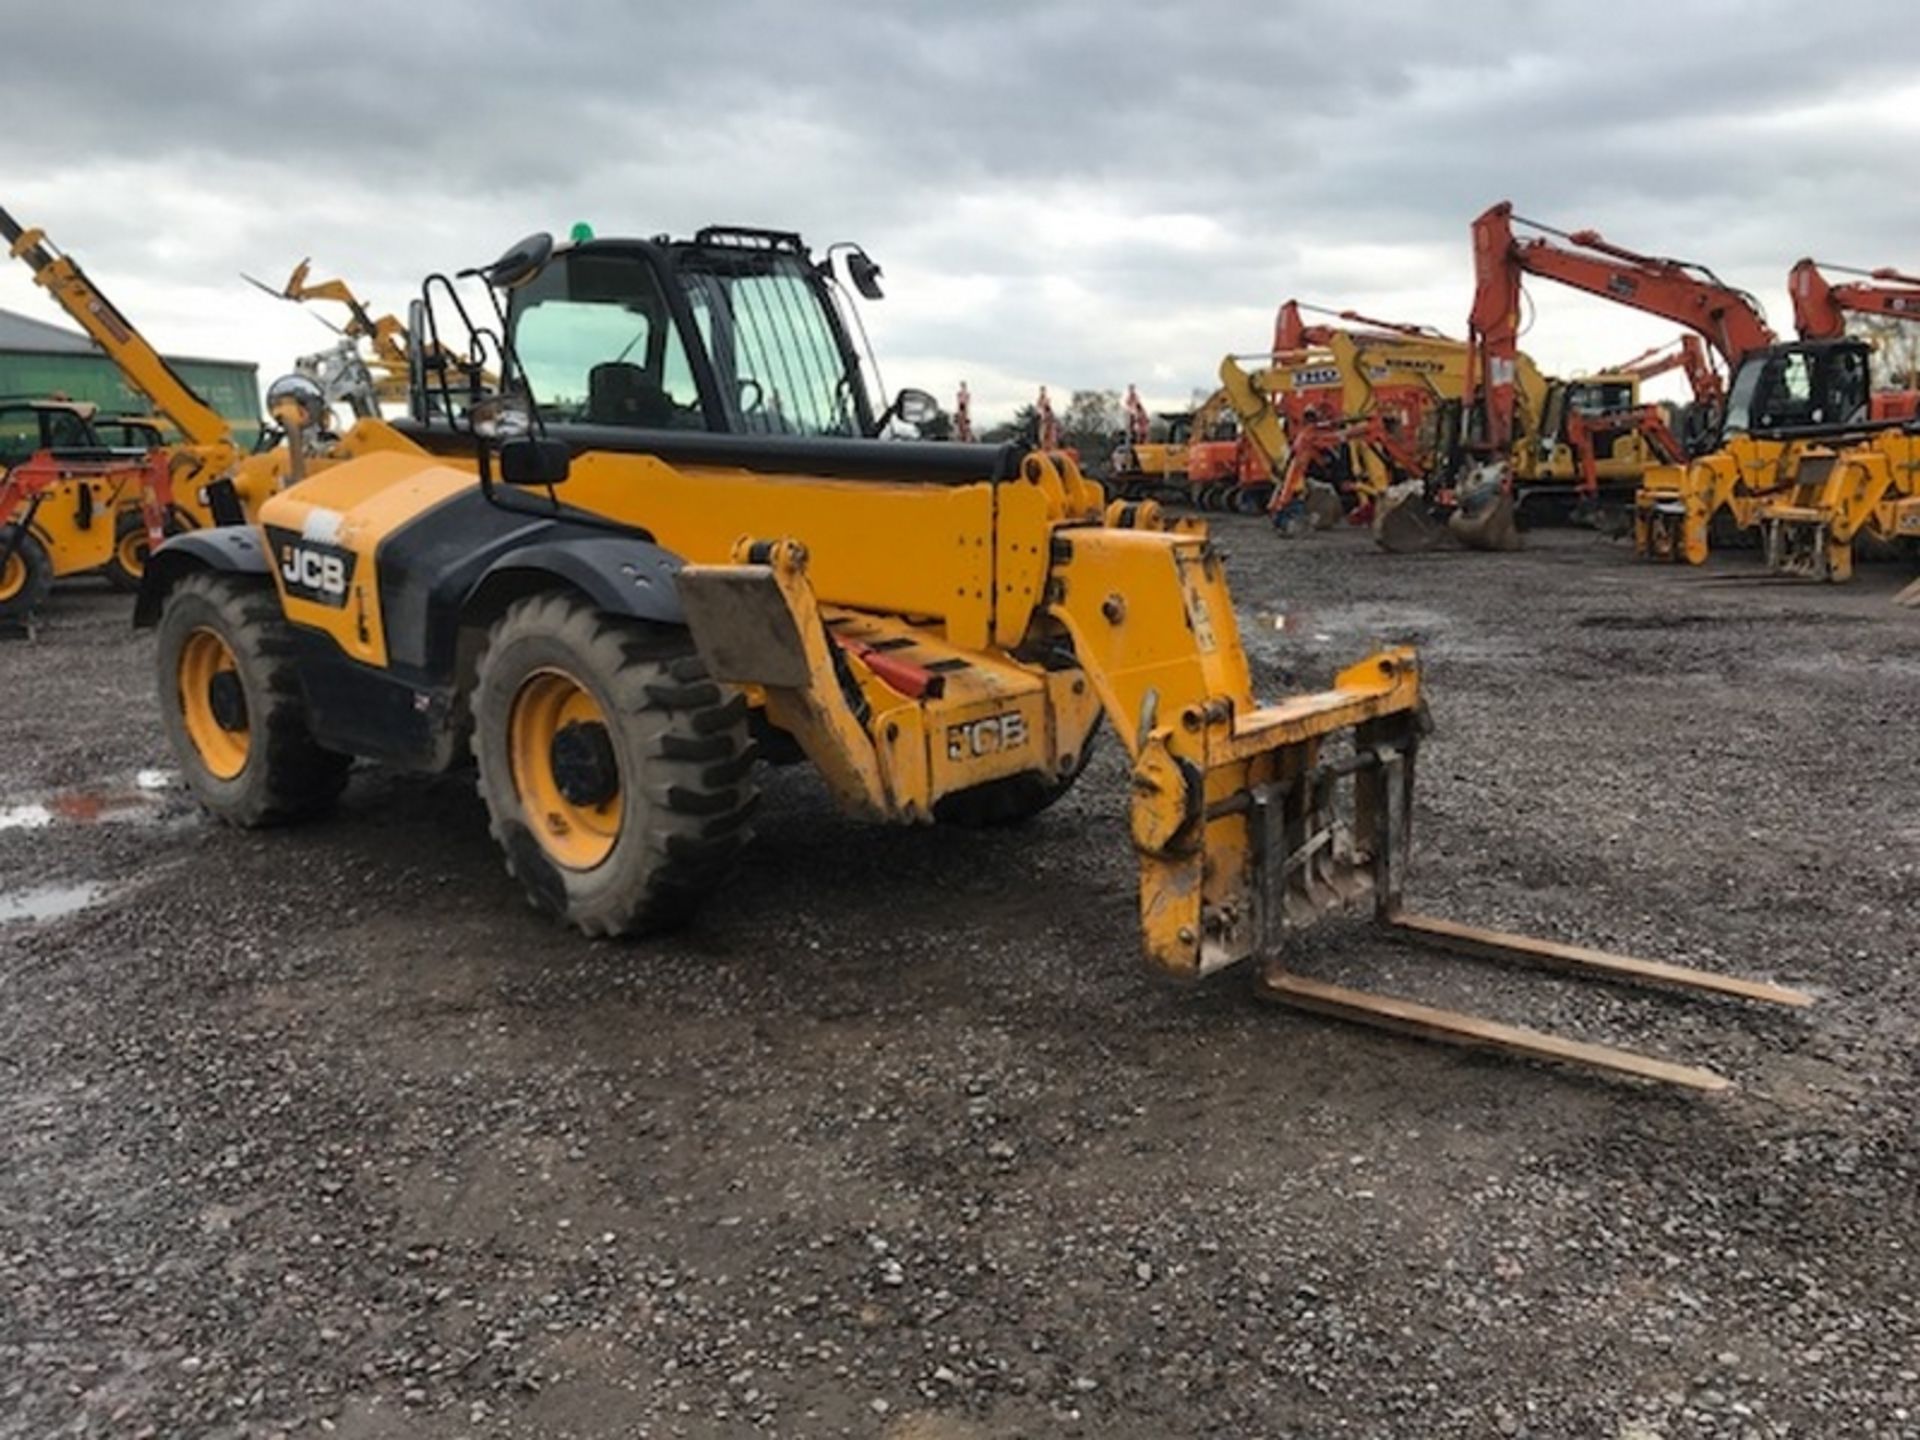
{"x": 321, "y": 574}
{"x": 990, "y": 736}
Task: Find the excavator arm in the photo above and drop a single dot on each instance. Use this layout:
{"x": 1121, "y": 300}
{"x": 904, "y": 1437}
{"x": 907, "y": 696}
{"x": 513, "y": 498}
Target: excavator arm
{"x": 1728, "y": 319}
{"x": 1821, "y": 307}
{"x": 1688, "y": 353}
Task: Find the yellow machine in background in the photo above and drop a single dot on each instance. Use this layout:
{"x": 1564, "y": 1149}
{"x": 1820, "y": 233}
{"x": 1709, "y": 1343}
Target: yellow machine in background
{"x": 62, "y": 490}
{"x": 362, "y": 384}
{"x": 205, "y": 466}
{"x": 1391, "y": 405}
{"x": 607, "y": 579}
{"x": 1838, "y": 495}
{"x": 210, "y": 480}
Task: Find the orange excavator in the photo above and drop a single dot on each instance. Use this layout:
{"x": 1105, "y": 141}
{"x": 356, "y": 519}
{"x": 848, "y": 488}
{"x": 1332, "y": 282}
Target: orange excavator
{"x": 1480, "y": 491}
{"x": 1688, "y": 353}
{"x": 1820, "y": 310}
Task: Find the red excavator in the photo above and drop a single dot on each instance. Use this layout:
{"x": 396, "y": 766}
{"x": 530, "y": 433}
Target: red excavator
{"x": 1820, "y": 310}
{"x": 1727, "y": 317}
{"x": 1688, "y": 353}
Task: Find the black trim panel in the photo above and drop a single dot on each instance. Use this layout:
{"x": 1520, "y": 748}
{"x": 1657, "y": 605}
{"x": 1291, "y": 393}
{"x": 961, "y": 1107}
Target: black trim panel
{"x": 432, "y": 566}
{"x": 233, "y": 548}
{"x": 930, "y": 462}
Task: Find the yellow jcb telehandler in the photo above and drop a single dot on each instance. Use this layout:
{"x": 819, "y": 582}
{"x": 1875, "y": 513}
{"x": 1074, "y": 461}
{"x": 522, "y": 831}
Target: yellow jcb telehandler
{"x": 673, "y": 534}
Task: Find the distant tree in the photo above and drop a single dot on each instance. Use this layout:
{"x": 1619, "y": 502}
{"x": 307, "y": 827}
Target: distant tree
{"x": 1024, "y": 426}
{"x": 1091, "y": 421}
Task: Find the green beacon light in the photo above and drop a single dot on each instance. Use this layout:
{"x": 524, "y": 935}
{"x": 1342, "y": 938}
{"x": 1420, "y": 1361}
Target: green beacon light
{"x": 581, "y": 232}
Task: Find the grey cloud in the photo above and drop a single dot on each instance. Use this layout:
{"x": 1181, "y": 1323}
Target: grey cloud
{"x": 1314, "y": 138}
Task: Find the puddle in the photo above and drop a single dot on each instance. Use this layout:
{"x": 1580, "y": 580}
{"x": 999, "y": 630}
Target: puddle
{"x": 48, "y": 902}
{"x": 151, "y": 796}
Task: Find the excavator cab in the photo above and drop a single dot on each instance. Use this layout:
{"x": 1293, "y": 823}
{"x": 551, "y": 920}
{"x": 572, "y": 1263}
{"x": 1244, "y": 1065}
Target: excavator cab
{"x": 1799, "y": 386}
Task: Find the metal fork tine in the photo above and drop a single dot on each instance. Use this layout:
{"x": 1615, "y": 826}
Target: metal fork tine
{"x": 1387, "y": 1012}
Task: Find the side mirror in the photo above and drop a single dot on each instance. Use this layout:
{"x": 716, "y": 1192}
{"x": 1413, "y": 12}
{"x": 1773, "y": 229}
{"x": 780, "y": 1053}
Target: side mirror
{"x": 296, "y": 401}
{"x": 865, "y": 274}
{"x": 534, "y": 460}
{"x": 521, "y": 263}
{"x": 916, "y": 407}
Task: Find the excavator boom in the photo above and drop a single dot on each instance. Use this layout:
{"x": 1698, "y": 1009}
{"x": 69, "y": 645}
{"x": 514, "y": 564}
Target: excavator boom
{"x": 1821, "y": 307}
{"x": 1728, "y": 319}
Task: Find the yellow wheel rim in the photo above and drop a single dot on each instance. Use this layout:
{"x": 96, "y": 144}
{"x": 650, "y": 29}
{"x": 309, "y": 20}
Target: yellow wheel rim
{"x": 564, "y": 769}
{"x": 13, "y": 579}
{"x": 213, "y": 704}
{"x": 132, "y": 553}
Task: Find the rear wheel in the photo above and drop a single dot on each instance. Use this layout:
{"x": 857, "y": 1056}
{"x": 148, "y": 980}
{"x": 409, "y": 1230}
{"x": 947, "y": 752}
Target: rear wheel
{"x": 25, "y": 576}
{"x": 129, "y": 563}
{"x": 617, "y": 776}
{"x": 231, "y": 703}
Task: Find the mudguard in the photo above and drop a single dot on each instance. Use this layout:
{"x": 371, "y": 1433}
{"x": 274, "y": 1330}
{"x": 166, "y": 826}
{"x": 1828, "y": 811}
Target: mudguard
{"x": 623, "y": 575}
{"x": 232, "y": 548}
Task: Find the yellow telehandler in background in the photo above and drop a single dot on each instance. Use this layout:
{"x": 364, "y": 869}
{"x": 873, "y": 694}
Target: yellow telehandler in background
{"x": 67, "y": 496}
{"x": 211, "y": 480}
{"x": 671, "y": 539}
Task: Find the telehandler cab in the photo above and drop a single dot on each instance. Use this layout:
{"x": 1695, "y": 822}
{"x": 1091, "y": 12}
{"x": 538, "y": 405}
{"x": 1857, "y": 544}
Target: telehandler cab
{"x": 672, "y": 538}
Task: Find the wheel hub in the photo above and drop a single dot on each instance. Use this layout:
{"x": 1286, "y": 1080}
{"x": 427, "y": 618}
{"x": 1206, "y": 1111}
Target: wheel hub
{"x": 584, "y": 768}
{"x": 227, "y": 701}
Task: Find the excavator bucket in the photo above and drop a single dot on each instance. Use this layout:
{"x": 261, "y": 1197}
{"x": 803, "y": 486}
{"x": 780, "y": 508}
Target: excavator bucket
{"x": 1404, "y": 523}
{"x": 1492, "y": 526}
{"x": 1484, "y": 517}
{"x": 1324, "y": 509}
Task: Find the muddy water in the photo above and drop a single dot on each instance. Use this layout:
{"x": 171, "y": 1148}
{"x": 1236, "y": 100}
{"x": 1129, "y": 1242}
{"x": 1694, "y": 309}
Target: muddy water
{"x": 48, "y": 902}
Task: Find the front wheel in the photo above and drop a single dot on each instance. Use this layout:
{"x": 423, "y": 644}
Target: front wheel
{"x": 129, "y": 563}
{"x": 26, "y": 575}
{"x": 232, "y": 706}
{"x": 617, "y": 776}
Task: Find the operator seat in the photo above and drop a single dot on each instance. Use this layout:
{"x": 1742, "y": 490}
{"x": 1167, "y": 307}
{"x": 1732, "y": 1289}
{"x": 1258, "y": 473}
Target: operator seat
{"x": 619, "y": 393}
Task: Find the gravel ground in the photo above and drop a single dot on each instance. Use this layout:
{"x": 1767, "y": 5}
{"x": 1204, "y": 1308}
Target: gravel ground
{"x": 322, "y": 1131}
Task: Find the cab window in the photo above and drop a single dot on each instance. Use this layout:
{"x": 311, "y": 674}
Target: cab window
{"x": 19, "y": 436}
{"x": 68, "y": 431}
{"x": 598, "y": 345}
{"x": 766, "y": 329}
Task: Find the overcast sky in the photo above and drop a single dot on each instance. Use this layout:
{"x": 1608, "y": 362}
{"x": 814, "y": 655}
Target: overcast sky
{"x": 1077, "y": 194}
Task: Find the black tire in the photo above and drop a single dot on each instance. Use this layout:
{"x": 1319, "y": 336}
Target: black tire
{"x": 286, "y": 775}
{"x": 26, "y": 579}
{"x": 130, "y": 528}
{"x": 680, "y": 742}
{"x": 1013, "y": 800}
